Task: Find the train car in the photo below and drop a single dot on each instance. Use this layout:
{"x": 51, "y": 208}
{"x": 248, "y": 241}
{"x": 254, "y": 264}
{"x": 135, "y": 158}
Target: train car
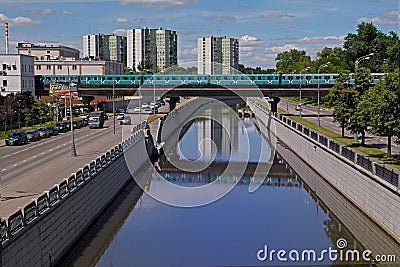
{"x": 308, "y": 79}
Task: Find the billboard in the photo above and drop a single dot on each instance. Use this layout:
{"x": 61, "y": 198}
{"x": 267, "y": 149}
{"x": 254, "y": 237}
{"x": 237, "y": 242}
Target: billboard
{"x": 62, "y": 89}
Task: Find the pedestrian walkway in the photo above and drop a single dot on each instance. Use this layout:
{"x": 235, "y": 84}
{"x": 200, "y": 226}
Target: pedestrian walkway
{"x": 310, "y": 113}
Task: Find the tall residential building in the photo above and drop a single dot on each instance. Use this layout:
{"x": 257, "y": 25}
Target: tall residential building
{"x": 105, "y": 47}
{"x": 217, "y": 55}
{"x": 156, "y": 46}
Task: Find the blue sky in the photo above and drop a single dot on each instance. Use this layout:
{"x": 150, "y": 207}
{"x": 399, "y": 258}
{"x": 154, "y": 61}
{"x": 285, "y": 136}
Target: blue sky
{"x": 264, "y": 27}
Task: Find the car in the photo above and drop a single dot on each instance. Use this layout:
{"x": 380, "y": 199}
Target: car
{"x": 68, "y": 125}
{"x": 126, "y": 120}
{"x": 136, "y": 110}
{"x": 162, "y": 102}
{"x": 85, "y": 121}
{"x": 17, "y": 138}
{"x": 120, "y": 116}
{"x": 105, "y": 116}
{"x": 298, "y": 108}
{"x": 43, "y": 132}
{"x": 62, "y": 127}
{"x": 77, "y": 124}
{"x": 145, "y": 105}
{"x": 52, "y": 130}
{"x": 147, "y": 108}
{"x": 33, "y": 135}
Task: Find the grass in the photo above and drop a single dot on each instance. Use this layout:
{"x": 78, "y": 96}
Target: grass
{"x": 152, "y": 118}
{"x": 307, "y": 101}
{"x": 348, "y": 141}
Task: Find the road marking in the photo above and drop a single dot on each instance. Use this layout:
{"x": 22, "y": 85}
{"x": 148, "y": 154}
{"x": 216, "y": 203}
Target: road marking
{"x": 34, "y": 157}
{"x": 42, "y": 153}
{"x": 24, "y": 161}
{"x": 4, "y": 170}
{"x": 15, "y": 165}
{"x": 50, "y": 150}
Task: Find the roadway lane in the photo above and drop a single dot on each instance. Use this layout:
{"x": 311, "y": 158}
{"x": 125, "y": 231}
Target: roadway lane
{"x": 27, "y": 171}
{"x": 311, "y": 112}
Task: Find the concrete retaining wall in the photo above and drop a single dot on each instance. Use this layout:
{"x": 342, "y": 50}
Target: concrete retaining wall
{"x": 343, "y": 168}
{"x": 40, "y": 233}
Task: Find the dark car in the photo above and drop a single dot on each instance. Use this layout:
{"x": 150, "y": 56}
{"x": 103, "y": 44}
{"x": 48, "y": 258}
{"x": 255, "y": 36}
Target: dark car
{"x": 33, "y": 135}
{"x": 105, "y": 117}
{"x": 85, "y": 121}
{"x": 62, "y": 127}
{"x": 44, "y": 132}
{"x": 68, "y": 124}
{"x": 77, "y": 124}
{"x": 17, "y": 138}
{"x": 52, "y": 130}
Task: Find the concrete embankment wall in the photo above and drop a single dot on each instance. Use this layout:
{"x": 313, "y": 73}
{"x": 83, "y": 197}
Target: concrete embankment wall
{"x": 40, "y": 233}
{"x": 371, "y": 187}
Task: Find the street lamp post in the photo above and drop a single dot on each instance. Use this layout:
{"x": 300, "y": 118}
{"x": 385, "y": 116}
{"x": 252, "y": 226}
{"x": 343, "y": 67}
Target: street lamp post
{"x": 73, "y": 150}
{"x": 305, "y": 69}
{"x": 358, "y": 60}
{"x": 319, "y": 108}
{"x": 113, "y": 97}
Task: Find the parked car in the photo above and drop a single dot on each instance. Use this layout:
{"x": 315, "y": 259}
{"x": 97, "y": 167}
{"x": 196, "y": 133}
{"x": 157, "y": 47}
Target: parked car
{"x": 43, "y": 132}
{"x": 136, "y": 110}
{"x": 68, "y": 124}
{"x": 33, "y": 135}
{"x": 62, "y": 127}
{"x": 145, "y": 105}
{"x": 126, "y": 120}
{"x": 17, "y": 138}
{"x": 77, "y": 124}
{"x": 120, "y": 116}
{"x": 52, "y": 130}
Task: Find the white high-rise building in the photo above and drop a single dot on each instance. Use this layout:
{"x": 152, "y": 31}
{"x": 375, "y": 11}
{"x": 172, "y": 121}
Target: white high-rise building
{"x": 217, "y": 55}
{"x": 157, "y": 47}
{"x": 105, "y": 47}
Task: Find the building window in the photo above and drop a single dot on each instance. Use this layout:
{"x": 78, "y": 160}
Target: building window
{"x": 14, "y": 67}
{"x": 4, "y": 83}
{"x": 59, "y": 67}
{"x": 48, "y": 67}
{"x": 73, "y": 67}
{"x": 38, "y": 67}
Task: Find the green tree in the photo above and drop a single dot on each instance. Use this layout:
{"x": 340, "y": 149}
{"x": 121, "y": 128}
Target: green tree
{"x": 358, "y": 121}
{"x": 146, "y": 67}
{"x": 393, "y": 56}
{"x": 381, "y": 105}
{"x": 293, "y": 60}
{"x": 340, "y": 100}
{"x": 336, "y": 57}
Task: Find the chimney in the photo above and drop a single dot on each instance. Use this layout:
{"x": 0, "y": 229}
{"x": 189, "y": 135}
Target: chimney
{"x": 6, "y": 32}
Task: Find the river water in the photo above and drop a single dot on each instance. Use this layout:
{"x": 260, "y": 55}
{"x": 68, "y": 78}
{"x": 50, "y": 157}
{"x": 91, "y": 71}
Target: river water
{"x": 240, "y": 228}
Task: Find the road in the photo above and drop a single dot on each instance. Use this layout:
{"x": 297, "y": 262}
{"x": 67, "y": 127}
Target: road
{"x": 29, "y": 170}
{"x": 326, "y": 120}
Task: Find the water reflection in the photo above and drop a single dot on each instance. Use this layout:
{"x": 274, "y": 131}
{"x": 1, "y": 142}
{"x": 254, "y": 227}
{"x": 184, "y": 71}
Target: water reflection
{"x": 286, "y": 212}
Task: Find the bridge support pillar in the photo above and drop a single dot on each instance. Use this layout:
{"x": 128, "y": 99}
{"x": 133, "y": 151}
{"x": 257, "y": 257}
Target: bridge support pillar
{"x": 172, "y": 102}
{"x": 273, "y": 101}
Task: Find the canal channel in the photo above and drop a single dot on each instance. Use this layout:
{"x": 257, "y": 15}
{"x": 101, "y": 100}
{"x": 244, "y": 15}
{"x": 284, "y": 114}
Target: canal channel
{"x": 241, "y": 228}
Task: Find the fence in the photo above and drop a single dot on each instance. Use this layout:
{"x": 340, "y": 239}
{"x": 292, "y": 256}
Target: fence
{"x": 388, "y": 175}
{"x": 49, "y": 200}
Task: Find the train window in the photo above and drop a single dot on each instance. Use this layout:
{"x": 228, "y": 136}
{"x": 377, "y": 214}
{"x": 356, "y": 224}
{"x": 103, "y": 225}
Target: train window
{"x": 132, "y": 78}
{"x": 109, "y": 78}
{"x": 175, "y": 78}
{"x": 244, "y": 78}
{"x": 290, "y": 78}
{"x": 125, "y": 78}
{"x": 190, "y": 77}
{"x": 158, "y": 78}
{"x": 261, "y": 78}
{"x": 227, "y": 78}
{"x": 117, "y": 78}
{"x": 327, "y": 77}
{"x": 269, "y": 78}
{"x": 95, "y": 78}
{"x": 308, "y": 77}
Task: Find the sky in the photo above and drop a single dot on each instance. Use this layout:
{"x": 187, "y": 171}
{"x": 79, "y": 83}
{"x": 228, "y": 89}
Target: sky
{"x": 264, "y": 27}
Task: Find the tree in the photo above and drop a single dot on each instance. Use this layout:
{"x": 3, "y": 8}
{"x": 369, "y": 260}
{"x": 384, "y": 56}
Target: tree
{"x": 336, "y": 57}
{"x": 293, "y": 60}
{"x": 7, "y": 109}
{"x": 393, "y": 56}
{"x": 146, "y": 66}
{"x": 381, "y": 105}
{"x": 358, "y": 121}
{"x": 339, "y": 99}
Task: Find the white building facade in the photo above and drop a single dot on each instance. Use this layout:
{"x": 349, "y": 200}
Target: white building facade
{"x": 158, "y": 47}
{"x": 217, "y": 55}
{"x": 16, "y": 74}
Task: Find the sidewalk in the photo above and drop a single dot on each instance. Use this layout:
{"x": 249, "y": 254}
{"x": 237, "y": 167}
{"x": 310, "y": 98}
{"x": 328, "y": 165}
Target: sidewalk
{"x": 326, "y": 120}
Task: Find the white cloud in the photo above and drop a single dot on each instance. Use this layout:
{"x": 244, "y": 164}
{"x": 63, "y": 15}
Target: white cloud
{"x": 158, "y": 4}
{"x": 390, "y": 17}
{"x": 281, "y": 48}
{"x": 188, "y": 50}
{"x": 67, "y": 12}
{"x": 224, "y": 18}
{"x": 148, "y": 20}
{"x": 19, "y": 21}
{"x": 270, "y": 14}
{"x": 322, "y": 39}
{"x": 36, "y": 12}
{"x": 121, "y": 20}
{"x": 333, "y": 9}
{"x": 121, "y": 32}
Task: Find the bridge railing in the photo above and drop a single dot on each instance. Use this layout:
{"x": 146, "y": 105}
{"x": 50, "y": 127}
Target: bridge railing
{"x": 382, "y": 173}
{"x": 25, "y": 217}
